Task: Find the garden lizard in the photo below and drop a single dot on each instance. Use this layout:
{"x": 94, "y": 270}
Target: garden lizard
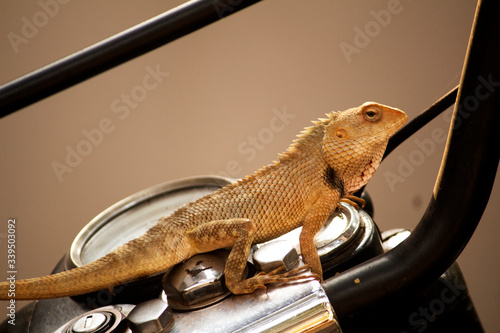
{"x": 327, "y": 163}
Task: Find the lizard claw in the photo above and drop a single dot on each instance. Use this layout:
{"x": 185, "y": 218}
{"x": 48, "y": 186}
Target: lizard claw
{"x": 278, "y": 275}
{"x": 306, "y": 268}
{"x": 293, "y": 275}
{"x": 274, "y": 272}
{"x": 353, "y": 201}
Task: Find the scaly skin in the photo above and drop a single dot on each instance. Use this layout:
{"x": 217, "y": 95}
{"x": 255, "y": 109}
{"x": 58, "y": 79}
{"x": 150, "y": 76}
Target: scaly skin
{"x": 329, "y": 161}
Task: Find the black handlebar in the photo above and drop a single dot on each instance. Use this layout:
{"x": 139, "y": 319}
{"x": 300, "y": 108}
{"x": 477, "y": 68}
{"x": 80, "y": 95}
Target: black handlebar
{"x": 114, "y": 51}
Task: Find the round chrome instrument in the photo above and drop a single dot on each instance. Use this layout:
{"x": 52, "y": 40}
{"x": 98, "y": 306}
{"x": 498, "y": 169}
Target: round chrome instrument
{"x": 133, "y": 216}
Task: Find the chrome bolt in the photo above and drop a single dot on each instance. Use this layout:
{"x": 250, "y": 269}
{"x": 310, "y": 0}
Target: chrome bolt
{"x": 197, "y": 282}
{"x": 275, "y": 254}
{"x": 150, "y": 317}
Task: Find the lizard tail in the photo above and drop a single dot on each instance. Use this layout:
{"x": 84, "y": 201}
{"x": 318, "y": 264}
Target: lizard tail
{"x": 129, "y": 262}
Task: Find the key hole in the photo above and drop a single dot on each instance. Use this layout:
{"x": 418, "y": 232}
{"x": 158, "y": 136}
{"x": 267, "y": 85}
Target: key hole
{"x": 88, "y": 321}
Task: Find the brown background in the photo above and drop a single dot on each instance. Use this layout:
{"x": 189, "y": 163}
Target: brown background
{"x": 222, "y": 86}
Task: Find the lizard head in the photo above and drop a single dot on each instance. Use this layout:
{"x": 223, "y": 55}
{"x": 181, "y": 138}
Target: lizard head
{"x": 354, "y": 141}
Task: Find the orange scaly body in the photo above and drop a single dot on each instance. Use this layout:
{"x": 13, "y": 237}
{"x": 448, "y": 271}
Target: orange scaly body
{"x": 330, "y": 160}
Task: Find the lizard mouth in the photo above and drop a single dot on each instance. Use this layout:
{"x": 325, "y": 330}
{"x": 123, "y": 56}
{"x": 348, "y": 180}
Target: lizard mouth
{"x": 401, "y": 121}
{"x": 391, "y": 128}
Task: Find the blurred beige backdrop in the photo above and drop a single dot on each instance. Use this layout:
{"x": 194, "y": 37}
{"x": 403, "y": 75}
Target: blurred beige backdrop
{"x": 196, "y": 106}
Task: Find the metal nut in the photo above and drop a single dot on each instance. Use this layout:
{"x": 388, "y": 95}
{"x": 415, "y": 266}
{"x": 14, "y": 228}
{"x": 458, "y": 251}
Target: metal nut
{"x": 274, "y": 255}
{"x": 150, "y": 317}
{"x": 197, "y": 282}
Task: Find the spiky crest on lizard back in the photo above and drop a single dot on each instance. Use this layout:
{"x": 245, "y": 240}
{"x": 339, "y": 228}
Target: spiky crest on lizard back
{"x": 309, "y": 135}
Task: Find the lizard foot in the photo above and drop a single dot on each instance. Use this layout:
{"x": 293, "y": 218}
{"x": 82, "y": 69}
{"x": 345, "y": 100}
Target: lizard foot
{"x": 295, "y": 271}
{"x": 353, "y": 201}
{"x": 261, "y": 279}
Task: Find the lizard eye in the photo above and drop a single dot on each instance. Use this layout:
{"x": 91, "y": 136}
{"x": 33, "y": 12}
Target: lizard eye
{"x": 372, "y": 114}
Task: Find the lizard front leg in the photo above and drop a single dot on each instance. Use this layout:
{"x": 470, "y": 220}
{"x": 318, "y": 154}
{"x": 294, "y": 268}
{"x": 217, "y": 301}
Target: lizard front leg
{"x": 313, "y": 222}
{"x": 238, "y": 234}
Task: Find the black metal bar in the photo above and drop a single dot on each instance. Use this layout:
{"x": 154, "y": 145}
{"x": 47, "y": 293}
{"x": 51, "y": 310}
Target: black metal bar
{"x": 114, "y": 51}
{"x": 461, "y": 191}
{"x": 421, "y": 120}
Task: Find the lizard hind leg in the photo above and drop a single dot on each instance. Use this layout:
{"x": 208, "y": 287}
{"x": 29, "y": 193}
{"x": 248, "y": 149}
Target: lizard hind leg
{"x": 238, "y": 234}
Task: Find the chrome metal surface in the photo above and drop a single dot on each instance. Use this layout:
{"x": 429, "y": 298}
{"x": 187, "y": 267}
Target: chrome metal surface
{"x": 335, "y": 234}
{"x": 152, "y": 316}
{"x": 102, "y": 320}
{"x": 91, "y": 323}
{"x": 392, "y": 238}
{"x": 294, "y": 307}
{"x": 276, "y": 254}
{"x": 134, "y": 215}
{"x": 197, "y": 282}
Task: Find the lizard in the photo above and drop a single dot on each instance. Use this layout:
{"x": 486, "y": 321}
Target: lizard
{"x": 325, "y": 164}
